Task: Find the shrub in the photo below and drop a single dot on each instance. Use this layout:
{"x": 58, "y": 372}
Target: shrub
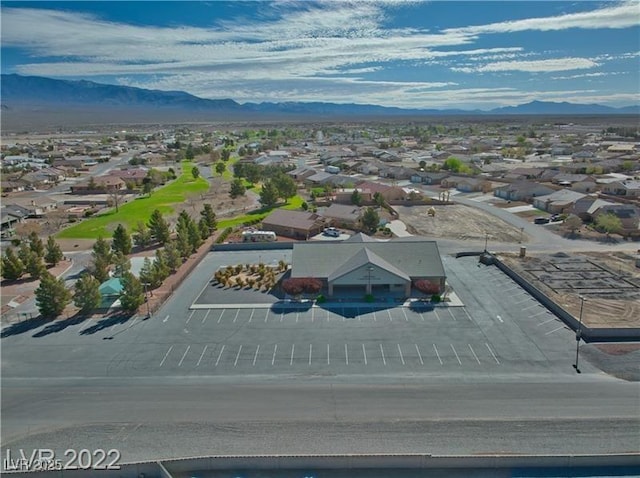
{"x": 435, "y": 298}
{"x": 369, "y": 298}
{"x": 321, "y": 299}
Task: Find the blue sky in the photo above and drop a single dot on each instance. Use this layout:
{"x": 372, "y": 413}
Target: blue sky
{"x": 394, "y": 53}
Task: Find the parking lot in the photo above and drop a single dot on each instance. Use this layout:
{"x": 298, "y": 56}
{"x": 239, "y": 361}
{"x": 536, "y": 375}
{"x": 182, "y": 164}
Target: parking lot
{"x": 500, "y": 329}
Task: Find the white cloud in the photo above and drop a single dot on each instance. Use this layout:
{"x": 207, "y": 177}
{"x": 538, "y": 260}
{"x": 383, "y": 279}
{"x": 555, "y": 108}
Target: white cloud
{"x": 622, "y": 15}
{"x": 533, "y": 66}
{"x": 589, "y": 75}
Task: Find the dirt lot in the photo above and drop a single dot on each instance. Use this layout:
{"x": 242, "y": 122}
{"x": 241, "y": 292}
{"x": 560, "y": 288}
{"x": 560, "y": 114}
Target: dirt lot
{"x": 447, "y": 221}
{"x": 610, "y": 283}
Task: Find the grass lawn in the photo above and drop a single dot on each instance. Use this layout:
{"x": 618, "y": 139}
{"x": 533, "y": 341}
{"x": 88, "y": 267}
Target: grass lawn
{"x": 294, "y": 203}
{"x": 139, "y": 209}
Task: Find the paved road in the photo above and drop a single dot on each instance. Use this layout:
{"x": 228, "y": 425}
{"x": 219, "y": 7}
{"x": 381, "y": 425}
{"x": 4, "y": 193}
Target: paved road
{"x": 166, "y": 387}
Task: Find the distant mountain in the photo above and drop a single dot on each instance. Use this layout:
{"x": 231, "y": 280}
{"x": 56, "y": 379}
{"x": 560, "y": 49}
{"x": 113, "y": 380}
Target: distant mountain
{"x": 32, "y": 95}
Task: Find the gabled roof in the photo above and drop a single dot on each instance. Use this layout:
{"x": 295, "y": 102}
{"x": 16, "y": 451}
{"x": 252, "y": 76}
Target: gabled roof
{"x": 361, "y": 258}
{"x": 360, "y": 237}
{"x": 112, "y": 286}
{"x": 294, "y": 219}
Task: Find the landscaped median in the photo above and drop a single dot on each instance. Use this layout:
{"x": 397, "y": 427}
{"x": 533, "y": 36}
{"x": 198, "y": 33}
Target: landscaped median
{"x": 139, "y": 209}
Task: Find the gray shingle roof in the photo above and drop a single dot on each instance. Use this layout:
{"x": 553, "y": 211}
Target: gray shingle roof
{"x": 414, "y": 258}
{"x": 362, "y": 257}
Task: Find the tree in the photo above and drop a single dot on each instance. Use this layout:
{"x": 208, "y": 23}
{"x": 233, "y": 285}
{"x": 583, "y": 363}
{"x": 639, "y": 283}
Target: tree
{"x": 34, "y": 266}
{"x": 225, "y": 155}
{"x": 195, "y": 172}
{"x": 422, "y": 164}
{"x": 378, "y": 198}
{"x": 53, "y": 253}
{"x": 132, "y": 293}
{"x": 35, "y": 244}
{"x": 183, "y": 243}
{"x": 220, "y": 168}
{"x": 87, "y": 293}
{"x": 452, "y": 164}
{"x": 237, "y": 188}
{"x": 268, "y": 195}
{"x": 253, "y": 173}
{"x": 286, "y": 186}
{"x": 172, "y": 256}
{"x": 146, "y": 274}
{"x": 609, "y": 223}
{"x": 52, "y": 296}
{"x": 160, "y": 269}
{"x": 121, "y": 241}
{"x": 188, "y": 154}
{"x": 209, "y": 218}
{"x": 102, "y": 250}
{"x": 12, "y": 266}
{"x": 99, "y": 268}
{"x": 356, "y": 197}
{"x": 194, "y": 234}
{"x": 115, "y": 197}
{"x": 159, "y": 227}
{"x": 370, "y": 220}
{"x": 147, "y": 188}
{"x": 121, "y": 264}
{"x": 142, "y": 235}
{"x": 573, "y": 223}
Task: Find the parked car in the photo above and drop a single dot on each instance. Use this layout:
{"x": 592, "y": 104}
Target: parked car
{"x": 541, "y": 220}
{"x": 554, "y": 217}
{"x": 331, "y": 231}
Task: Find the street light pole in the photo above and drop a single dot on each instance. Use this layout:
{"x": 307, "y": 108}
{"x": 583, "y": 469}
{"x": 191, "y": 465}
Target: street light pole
{"x": 146, "y": 296}
{"x": 521, "y": 232}
{"x": 486, "y": 239}
{"x": 579, "y": 334}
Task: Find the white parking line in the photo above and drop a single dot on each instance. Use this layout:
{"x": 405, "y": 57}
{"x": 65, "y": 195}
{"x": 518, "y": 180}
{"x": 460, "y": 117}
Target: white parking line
{"x": 297, "y": 315}
{"x": 539, "y": 313}
{"x": 451, "y": 314}
{"x": 437, "y": 354}
{"x": 546, "y": 321}
{"x": 236, "y": 317}
{"x": 364, "y": 352}
{"x": 87, "y": 323}
{"x": 202, "y": 355}
{"x": 384, "y": 361}
{"x": 293, "y": 347}
{"x": 456, "y": 353}
{"x": 184, "y": 355}
{"x": 500, "y": 319}
{"x": 421, "y": 316}
{"x": 219, "y": 355}
{"x": 419, "y": 354}
{"x": 237, "y": 356}
{"x": 374, "y": 316}
{"x": 166, "y": 355}
{"x": 206, "y": 315}
{"x": 266, "y": 316}
{"x": 346, "y": 354}
{"x": 310, "y": 351}
{"x": 312, "y": 313}
{"x": 273, "y": 359}
{"x": 405, "y": 315}
{"x": 166, "y": 318}
{"x": 221, "y": 314}
{"x": 468, "y": 316}
{"x": 474, "y": 354}
{"x": 554, "y": 330}
{"x": 328, "y": 356}
{"x": 494, "y": 355}
{"x": 531, "y": 307}
{"x": 191, "y": 315}
{"x": 255, "y": 357}
{"x": 327, "y": 315}
{"x": 390, "y": 318}
{"x": 437, "y": 316}
{"x": 401, "y": 357}
{"x": 251, "y": 316}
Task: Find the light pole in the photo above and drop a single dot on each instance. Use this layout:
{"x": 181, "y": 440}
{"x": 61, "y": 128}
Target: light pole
{"x": 521, "y": 232}
{"x": 146, "y": 299}
{"x": 486, "y": 239}
{"x": 579, "y": 334}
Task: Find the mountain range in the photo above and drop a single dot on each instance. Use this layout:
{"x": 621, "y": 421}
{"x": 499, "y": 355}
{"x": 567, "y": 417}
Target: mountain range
{"x": 39, "y": 95}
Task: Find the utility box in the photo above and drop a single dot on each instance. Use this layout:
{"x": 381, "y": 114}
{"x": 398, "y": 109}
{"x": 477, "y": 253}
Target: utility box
{"x": 523, "y": 252}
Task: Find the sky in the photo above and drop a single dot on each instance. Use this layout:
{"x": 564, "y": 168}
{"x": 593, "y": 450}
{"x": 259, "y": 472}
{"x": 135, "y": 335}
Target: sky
{"x": 439, "y": 54}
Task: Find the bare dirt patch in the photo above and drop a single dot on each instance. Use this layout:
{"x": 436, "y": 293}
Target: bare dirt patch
{"x": 457, "y": 221}
{"x": 609, "y": 282}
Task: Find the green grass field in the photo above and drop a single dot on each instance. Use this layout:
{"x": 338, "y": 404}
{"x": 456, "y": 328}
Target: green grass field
{"x": 294, "y": 203}
{"x": 139, "y": 209}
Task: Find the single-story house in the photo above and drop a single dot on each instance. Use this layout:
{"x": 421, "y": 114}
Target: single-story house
{"x": 427, "y": 177}
{"x": 100, "y": 184}
{"x": 369, "y": 267}
{"x": 628, "y": 188}
{"x": 558, "y": 202}
{"x": 465, "y": 184}
{"x": 629, "y": 216}
{"x": 294, "y": 224}
{"x": 522, "y": 191}
{"x": 343, "y": 215}
{"x": 585, "y": 207}
{"x": 135, "y": 175}
{"x": 302, "y": 173}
